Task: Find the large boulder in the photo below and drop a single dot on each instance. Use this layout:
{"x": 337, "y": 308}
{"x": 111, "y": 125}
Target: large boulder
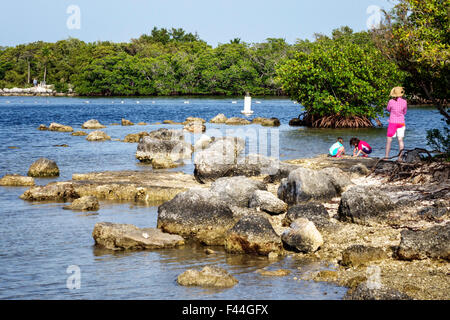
{"x": 150, "y": 148}
{"x": 217, "y": 160}
{"x": 430, "y": 243}
{"x": 59, "y": 127}
{"x": 266, "y": 201}
{"x": 92, "y": 124}
{"x": 305, "y": 184}
{"x": 86, "y": 203}
{"x": 364, "y": 205}
{"x": 43, "y": 168}
{"x": 209, "y": 276}
{"x": 203, "y": 142}
{"x": 220, "y": 118}
{"x": 55, "y": 191}
{"x": 267, "y": 122}
{"x": 366, "y": 292}
{"x": 312, "y": 211}
{"x": 135, "y": 137}
{"x": 15, "y": 180}
{"x": 97, "y": 136}
{"x": 128, "y": 237}
{"x": 197, "y": 213}
{"x": 303, "y": 236}
{"x": 236, "y": 190}
{"x": 167, "y": 134}
{"x": 356, "y": 255}
{"x": 253, "y": 234}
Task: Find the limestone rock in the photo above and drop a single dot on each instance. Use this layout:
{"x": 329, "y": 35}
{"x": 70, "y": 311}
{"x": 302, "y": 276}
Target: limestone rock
{"x": 43, "y": 168}
{"x": 197, "y": 213}
{"x": 97, "y": 136}
{"x": 163, "y": 163}
{"x": 135, "y": 137}
{"x": 359, "y": 169}
{"x": 237, "y": 121}
{"x": 209, "y": 276}
{"x": 129, "y": 237}
{"x": 274, "y": 273}
{"x": 86, "y": 203}
{"x": 15, "y": 180}
{"x": 364, "y": 205}
{"x": 430, "y": 243}
{"x": 59, "y": 127}
{"x": 303, "y": 236}
{"x": 150, "y": 148}
{"x": 43, "y": 127}
{"x": 220, "y": 118}
{"x": 314, "y": 212}
{"x": 267, "y": 202}
{"x": 195, "y": 127}
{"x": 365, "y": 292}
{"x": 92, "y": 124}
{"x": 253, "y": 234}
{"x": 79, "y": 133}
{"x": 126, "y": 122}
{"x": 236, "y": 190}
{"x": 167, "y": 134}
{"x": 356, "y": 255}
{"x": 55, "y": 191}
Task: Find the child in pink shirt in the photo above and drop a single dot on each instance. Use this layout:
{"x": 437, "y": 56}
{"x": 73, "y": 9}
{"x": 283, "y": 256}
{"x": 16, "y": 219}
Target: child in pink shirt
{"x": 360, "y": 147}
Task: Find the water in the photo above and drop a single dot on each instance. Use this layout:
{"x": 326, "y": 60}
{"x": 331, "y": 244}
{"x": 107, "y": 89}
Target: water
{"x": 40, "y": 241}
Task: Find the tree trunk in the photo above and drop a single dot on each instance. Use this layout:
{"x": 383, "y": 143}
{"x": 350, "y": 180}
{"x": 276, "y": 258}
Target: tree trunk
{"x": 29, "y": 71}
{"x": 45, "y": 74}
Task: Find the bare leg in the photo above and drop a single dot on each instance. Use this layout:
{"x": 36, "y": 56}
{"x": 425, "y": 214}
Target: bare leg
{"x": 388, "y": 147}
{"x": 401, "y": 146}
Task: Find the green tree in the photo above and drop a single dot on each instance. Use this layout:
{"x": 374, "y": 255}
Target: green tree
{"x": 342, "y": 82}
{"x": 415, "y": 35}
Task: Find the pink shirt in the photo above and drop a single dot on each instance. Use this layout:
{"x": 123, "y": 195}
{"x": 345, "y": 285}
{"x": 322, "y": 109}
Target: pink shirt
{"x": 364, "y": 146}
{"x": 398, "y": 110}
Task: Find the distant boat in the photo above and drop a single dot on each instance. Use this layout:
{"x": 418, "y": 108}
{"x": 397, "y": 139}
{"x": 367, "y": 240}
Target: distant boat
{"x": 247, "y": 105}
{"x": 122, "y": 102}
{"x": 186, "y": 102}
{"x": 233, "y": 102}
{"x": 258, "y": 102}
{"x": 138, "y": 102}
{"x": 86, "y": 102}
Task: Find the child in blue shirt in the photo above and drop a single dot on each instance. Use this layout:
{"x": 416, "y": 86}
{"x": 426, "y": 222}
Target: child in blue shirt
{"x": 337, "y": 149}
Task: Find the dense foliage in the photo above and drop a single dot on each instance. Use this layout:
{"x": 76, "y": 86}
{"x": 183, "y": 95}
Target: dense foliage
{"x": 166, "y": 62}
{"x": 343, "y": 81}
{"x": 415, "y": 35}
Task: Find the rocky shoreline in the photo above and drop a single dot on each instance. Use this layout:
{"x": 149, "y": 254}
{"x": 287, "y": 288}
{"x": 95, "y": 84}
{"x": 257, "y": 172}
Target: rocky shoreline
{"x": 382, "y": 239}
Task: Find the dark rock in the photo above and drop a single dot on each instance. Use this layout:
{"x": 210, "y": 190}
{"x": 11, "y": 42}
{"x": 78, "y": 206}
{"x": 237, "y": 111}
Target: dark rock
{"x": 253, "y": 234}
{"x": 149, "y": 148}
{"x": 314, "y": 212}
{"x": 296, "y": 122}
{"x": 364, "y": 292}
{"x": 361, "y": 255}
{"x": 364, "y": 205}
{"x": 197, "y": 213}
{"x": 430, "y": 243}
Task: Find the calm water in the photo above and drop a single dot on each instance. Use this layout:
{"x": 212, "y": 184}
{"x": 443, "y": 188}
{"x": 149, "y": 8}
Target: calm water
{"x": 39, "y": 241}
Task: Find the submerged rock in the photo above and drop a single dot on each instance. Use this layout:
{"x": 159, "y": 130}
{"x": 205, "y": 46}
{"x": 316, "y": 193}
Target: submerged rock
{"x": 430, "y": 243}
{"x": 79, "y": 133}
{"x": 197, "y": 213}
{"x": 15, "y": 180}
{"x": 305, "y": 184}
{"x": 356, "y": 255}
{"x": 253, "y": 234}
{"x": 220, "y": 118}
{"x": 267, "y": 122}
{"x": 86, "y": 203}
{"x": 150, "y": 148}
{"x": 92, "y": 124}
{"x": 43, "y": 168}
{"x": 236, "y": 190}
{"x": 274, "y": 273}
{"x": 296, "y": 122}
{"x": 98, "y": 136}
{"x": 267, "y": 202}
{"x": 126, "y": 122}
{"x": 55, "y": 191}
{"x": 209, "y": 276}
{"x": 303, "y": 236}
{"x": 314, "y": 212}
{"x": 129, "y": 237}
{"x": 364, "y": 205}
{"x": 366, "y": 292}
{"x": 59, "y": 127}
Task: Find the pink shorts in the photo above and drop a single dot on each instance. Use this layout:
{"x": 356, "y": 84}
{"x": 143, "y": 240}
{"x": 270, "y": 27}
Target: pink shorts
{"x": 393, "y": 128}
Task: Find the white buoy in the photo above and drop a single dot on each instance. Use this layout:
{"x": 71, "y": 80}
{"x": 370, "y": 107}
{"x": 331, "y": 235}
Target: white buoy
{"x": 122, "y": 102}
{"x": 258, "y": 102}
{"x": 138, "y": 102}
{"x": 233, "y": 102}
{"x": 186, "y": 102}
{"x": 247, "y": 105}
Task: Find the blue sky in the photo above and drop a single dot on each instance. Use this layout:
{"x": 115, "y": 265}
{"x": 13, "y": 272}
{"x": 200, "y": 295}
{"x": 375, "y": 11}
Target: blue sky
{"x": 216, "y": 21}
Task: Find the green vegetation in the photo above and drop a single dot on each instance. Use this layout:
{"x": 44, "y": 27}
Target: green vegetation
{"x": 165, "y": 62}
{"x": 342, "y": 81}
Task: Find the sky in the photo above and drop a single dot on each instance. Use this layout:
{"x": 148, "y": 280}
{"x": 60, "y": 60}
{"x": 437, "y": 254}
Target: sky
{"x": 216, "y": 21}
